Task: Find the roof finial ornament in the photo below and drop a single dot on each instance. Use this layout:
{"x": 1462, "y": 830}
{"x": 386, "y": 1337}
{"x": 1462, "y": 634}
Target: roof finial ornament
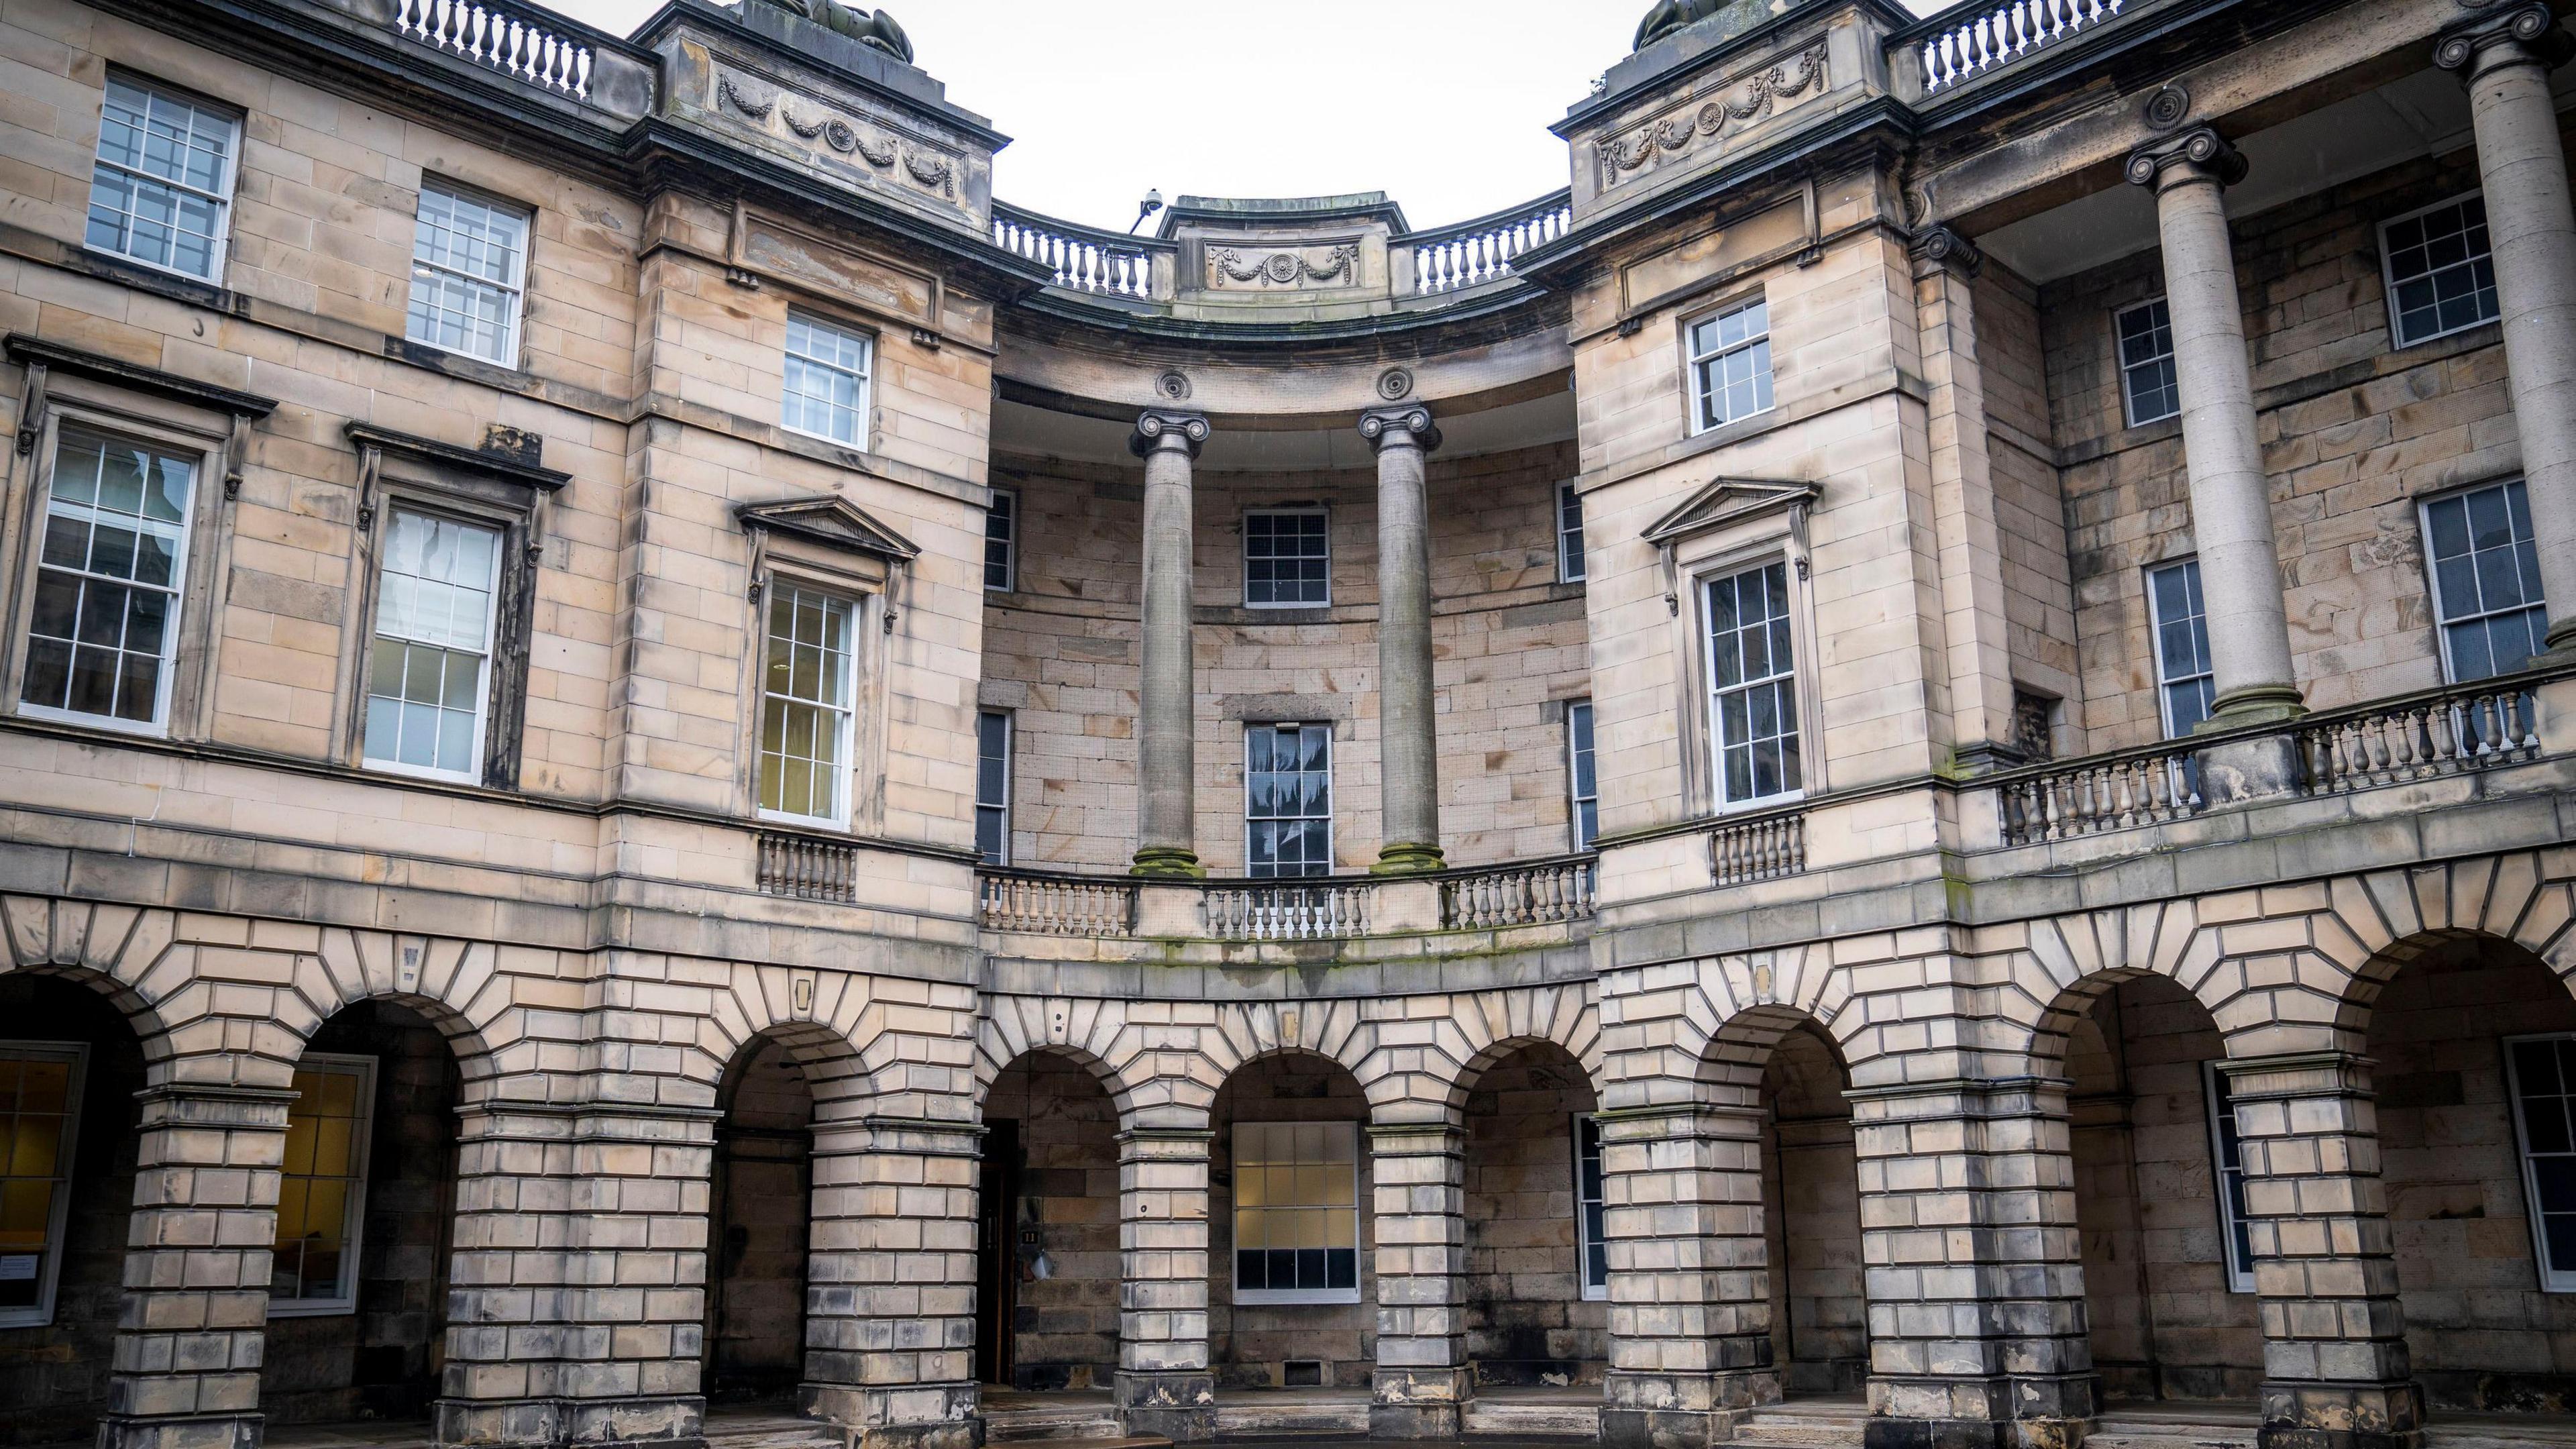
{"x": 876, "y": 30}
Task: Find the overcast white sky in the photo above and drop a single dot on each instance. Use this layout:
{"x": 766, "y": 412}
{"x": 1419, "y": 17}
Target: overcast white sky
{"x": 1443, "y": 104}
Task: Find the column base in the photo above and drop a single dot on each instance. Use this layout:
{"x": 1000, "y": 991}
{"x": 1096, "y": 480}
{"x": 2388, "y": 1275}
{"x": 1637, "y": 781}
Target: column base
{"x": 181, "y": 1431}
{"x": 2307, "y": 1415}
{"x": 1668, "y": 1428}
{"x": 1179, "y": 1406}
{"x": 2250, "y": 769}
{"x": 1419, "y": 1403}
{"x": 1407, "y": 857}
{"x": 675, "y": 1422}
{"x": 1415, "y": 1421}
{"x": 1168, "y": 860}
{"x": 2033, "y": 1412}
{"x": 913, "y": 1416}
{"x": 2254, "y": 704}
{"x": 1684, "y": 1410}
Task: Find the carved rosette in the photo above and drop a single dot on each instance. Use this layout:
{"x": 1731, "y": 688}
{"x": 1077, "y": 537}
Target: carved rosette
{"x": 1745, "y": 100}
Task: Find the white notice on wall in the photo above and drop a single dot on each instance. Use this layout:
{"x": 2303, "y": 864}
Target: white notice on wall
{"x": 17, "y": 1267}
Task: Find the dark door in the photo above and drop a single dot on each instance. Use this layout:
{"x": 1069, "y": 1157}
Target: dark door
{"x": 997, "y": 1258}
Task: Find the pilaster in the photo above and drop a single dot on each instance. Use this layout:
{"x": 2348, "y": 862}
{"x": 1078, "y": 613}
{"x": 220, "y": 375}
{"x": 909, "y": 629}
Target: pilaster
{"x": 1690, "y": 1283}
{"x": 2336, "y": 1374}
{"x": 1973, "y": 1265}
{"x": 192, "y": 1330}
{"x": 1164, "y": 1382}
{"x": 577, "y": 1303}
{"x": 1419, "y": 1206}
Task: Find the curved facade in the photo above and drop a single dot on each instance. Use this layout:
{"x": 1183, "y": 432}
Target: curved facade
{"x": 668, "y": 771}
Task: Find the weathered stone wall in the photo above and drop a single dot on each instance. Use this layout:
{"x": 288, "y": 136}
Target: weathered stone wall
{"x": 1528, "y": 1321}
{"x": 2030, "y": 514}
{"x": 2482, "y": 1335}
{"x": 2353, "y": 434}
{"x": 1508, "y": 639}
{"x": 2165, "y": 1324}
{"x": 1064, "y": 1223}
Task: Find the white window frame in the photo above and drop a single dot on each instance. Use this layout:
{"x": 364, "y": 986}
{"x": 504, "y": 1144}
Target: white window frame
{"x": 1359, "y": 1250}
{"x": 1575, "y": 799}
{"x": 472, "y": 774}
{"x": 1584, "y": 1239}
{"x": 1694, "y": 360}
{"x": 2120, "y": 357}
{"x": 2388, "y": 280}
{"x": 2552, "y": 1279}
{"x": 2215, "y": 1091}
{"x": 1010, "y": 749}
{"x": 1570, "y": 563}
{"x": 862, "y": 406}
{"x": 1005, "y": 510}
{"x": 362, "y": 1140}
{"x": 49, "y": 1268}
{"x": 203, "y": 461}
{"x": 843, "y": 785}
{"x": 2156, "y": 642}
{"x": 2442, "y": 620}
{"x": 221, "y": 248}
{"x": 1314, "y": 510}
{"x": 1801, "y": 689}
{"x": 516, "y": 288}
{"x": 1332, "y": 845}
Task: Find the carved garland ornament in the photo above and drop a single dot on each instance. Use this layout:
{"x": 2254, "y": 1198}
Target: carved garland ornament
{"x": 938, "y": 173}
{"x": 1785, "y": 81}
{"x": 1284, "y": 268}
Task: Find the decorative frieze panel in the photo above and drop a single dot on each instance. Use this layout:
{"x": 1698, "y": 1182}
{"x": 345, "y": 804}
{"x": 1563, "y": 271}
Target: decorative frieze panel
{"x": 1271, "y": 267}
{"x": 1703, "y": 119}
{"x": 820, "y": 127}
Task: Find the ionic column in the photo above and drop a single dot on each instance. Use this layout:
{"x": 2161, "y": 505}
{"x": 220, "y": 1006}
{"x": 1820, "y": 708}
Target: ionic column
{"x": 890, "y": 1284}
{"x": 2505, "y": 58}
{"x": 1690, "y": 1282}
{"x": 2231, "y": 508}
{"x": 1164, "y": 1384}
{"x": 192, "y": 1330}
{"x": 2336, "y": 1374}
{"x": 1974, "y": 1267}
{"x": 1408, "y": 745}
{"x": 577, "y": 1302}
{"x": 1418, "y": 1182}
{"x": 1166, "y": 699}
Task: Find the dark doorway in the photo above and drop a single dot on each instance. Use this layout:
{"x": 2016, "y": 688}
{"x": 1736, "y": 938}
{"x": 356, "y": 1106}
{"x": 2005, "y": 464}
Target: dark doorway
{"x": 762, "y": 1221}
{"x": 996, "y": 1254}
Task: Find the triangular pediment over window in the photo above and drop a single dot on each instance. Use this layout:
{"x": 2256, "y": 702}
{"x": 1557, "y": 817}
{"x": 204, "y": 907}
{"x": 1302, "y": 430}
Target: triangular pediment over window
{"x": 832, "y": 521}
{"x": 1731, "y": 500}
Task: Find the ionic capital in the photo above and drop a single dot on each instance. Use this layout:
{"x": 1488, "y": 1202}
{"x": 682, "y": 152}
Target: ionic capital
{"x": 1408, "y": 426}
{"x": 2503, "y": 33}
{"x": 1948, "y": 250}
{"x": 2199, "y": 154}
{"x": 1160, "y": 429}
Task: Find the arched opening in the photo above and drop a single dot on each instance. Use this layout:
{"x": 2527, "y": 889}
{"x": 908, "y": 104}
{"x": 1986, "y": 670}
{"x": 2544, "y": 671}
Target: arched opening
{"x": 357, "y": 1299}
{"x": 2473, "y": 1045}
{"x": 759, "y": 1218}
{"x": 1537, "y": 1282}
{"x": 1290, "y": 1282}
{"x": 1811, "y": 1183}
{"x": 2168, "y": 1282}
{"x": 69, "y": 1068}
{"x": 1048, "y": 1279}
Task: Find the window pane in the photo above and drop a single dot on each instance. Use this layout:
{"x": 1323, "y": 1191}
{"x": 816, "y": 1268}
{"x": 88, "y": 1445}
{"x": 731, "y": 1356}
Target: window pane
{"x": 2185, "y": 681}
{"x": 159, "y": 192}
{"x": 1731, "y": 364}
{"x": 805, "y": 704}
{"x": 1753, "y": 697}
{"x": 1580, "y": 771}
{"x": 326, "y": 1128}
{"x": 426, "y": 684}
{"x": 39, "y": 1103}
{"x": 1001, "y": 541}
{"x": 467, "y": 265}
{"x": 1569, "y": 534}
{"x": 2441, "y": 271}
{"x": 1288, "y": 799}
{"x": 826, "y": 386}
{"x": 2147, "y": 375}
{"x": 1286, "y": 559}
{"x": 2486, "y": 580}
{"x": 1296, "y": 1224}
{"x": 100, "y": 636}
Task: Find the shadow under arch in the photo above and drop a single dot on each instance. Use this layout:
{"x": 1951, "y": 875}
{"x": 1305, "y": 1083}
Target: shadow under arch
{"x": 2471, "y": 1040}
{"x": 2166, "y": 1265}
{"x": 759, "y": 1210}
{"x": 1048, "y": 1270}
{"x": 1535, "y": 1284}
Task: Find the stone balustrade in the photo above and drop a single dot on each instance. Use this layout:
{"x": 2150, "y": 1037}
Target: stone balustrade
{"x": 1471, "y": 253}
{"x": 1102, "y": 263}
{"x": 515, "y": 42}
{"x": 1556, "y": 891}
{"x": 1970, "y": 40}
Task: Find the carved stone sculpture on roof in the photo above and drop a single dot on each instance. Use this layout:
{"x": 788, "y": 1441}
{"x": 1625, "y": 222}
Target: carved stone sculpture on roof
{"x": 874, "y": 29}
{"x": 1668, "y": 16}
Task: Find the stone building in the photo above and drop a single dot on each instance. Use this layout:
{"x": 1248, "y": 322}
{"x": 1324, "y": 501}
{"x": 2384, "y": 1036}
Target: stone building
{"x": 664, "y": 770}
